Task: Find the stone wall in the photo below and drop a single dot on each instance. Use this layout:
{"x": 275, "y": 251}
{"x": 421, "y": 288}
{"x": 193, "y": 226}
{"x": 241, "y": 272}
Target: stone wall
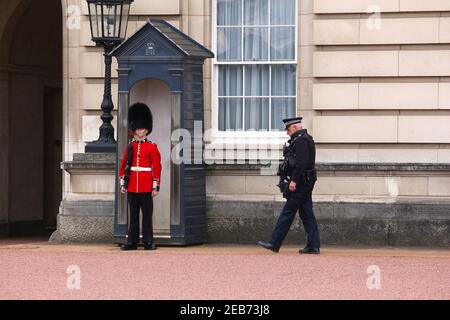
{"x": 401, "y": 223}
{"x": 382, "y": 72}
{"x": 358, "y": 204}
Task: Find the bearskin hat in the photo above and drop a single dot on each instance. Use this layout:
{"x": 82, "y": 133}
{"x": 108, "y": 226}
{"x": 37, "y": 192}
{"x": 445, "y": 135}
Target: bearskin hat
{"x": 140, "y": 117}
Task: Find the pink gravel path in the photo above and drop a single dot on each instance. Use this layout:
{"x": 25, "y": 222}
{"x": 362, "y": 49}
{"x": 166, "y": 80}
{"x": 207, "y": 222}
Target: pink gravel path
{"x": 37, "y": 270}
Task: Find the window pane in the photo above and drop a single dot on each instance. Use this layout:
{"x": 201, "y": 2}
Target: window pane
{"x": 282, "y": 46}
{"x": 123, "y": 24}
{"x": 230, "y": 114}
{"x": 282, "y": 12}
{"x": 257, "y": 80}
{"x": 256, "y": 44}
{"x": 109, "y": 21}
{"x": 283, "y": 80}
{"x": 282, "y": 108}
{"x": 229, "y": 44}
{"x": 98, "y": 15}
{"x": 256, "y": 114}
{"x": 229, "y": 12}
{"x": 230, "y": 80}
{"x": 256, "y": 12}
{"x": 94, "y": 24}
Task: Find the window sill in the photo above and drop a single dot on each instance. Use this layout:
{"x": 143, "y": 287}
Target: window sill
{"x": 252, "y": 140}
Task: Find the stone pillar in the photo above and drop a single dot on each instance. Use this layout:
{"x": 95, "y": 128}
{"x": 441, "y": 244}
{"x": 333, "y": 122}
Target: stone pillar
{"x": 86, "y": 213}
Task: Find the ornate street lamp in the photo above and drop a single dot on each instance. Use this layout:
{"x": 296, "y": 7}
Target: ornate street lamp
{"x": 108, "y": 20}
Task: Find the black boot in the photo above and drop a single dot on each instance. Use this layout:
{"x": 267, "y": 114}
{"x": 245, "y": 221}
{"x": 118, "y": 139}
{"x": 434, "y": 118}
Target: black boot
{"x": 149, "y": 246}
{"x": 268, "y": 245}
{"x": 307, "y": 250}
{"x": 129, "y": 246}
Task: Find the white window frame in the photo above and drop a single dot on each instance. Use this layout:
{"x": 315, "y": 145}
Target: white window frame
{"x": 279, "y": 136}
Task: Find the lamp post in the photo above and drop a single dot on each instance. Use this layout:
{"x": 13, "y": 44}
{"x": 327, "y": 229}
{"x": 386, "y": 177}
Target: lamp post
{"x": 108, "y": 21}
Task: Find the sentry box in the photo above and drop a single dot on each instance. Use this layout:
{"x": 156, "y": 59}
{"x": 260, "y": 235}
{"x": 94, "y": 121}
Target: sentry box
{"x": 163, "y": 67}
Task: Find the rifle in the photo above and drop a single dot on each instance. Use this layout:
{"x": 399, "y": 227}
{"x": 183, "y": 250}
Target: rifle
{"x": 126, "y": 177}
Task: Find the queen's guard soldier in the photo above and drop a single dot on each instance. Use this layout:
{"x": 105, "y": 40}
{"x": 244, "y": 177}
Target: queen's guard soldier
{"x": 297, "y": 178}
{"x": 140, "y": 176}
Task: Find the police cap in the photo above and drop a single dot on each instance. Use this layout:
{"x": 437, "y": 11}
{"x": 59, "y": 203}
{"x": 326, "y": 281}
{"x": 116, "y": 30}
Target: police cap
{"x": 288, "y": 121}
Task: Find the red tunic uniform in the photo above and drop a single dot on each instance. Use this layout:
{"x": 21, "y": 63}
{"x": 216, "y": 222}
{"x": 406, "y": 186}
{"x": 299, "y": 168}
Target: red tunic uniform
{"x": 145, "y": 155}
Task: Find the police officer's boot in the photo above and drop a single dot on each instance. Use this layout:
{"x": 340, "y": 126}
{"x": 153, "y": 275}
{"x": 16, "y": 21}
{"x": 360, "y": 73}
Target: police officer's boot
{"x": 307, "y": 250}
{"x": 269, "y": 246}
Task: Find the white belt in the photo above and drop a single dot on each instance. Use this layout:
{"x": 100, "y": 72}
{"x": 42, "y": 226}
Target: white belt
{"x": 140, "y": 169}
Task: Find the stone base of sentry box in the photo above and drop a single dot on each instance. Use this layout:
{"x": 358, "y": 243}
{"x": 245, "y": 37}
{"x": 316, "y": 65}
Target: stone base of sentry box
{"x": 403, "y": 223}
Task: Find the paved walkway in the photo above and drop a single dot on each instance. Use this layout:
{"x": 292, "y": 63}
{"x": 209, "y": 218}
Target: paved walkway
{"x": 33, "y": 269}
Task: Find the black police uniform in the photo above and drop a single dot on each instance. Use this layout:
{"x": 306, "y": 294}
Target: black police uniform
{"x": 301, "y": 152}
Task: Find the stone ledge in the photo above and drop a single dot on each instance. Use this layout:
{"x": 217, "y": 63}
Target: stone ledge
{"x": 372, "y": 166}
{"x": 95, "y": 157}
{"x": 90, "y": 161}
{"x": 433, "y": 167}
{"x": 107, "y": 161}
{"x": 317, "y": 198}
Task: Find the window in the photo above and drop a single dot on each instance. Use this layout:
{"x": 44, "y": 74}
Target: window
{"x": 255, "y": 64}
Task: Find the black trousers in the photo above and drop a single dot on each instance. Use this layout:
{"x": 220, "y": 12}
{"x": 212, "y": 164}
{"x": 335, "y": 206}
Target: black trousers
{"x": 301, "y": 201}
{"x": 140, "y": 201}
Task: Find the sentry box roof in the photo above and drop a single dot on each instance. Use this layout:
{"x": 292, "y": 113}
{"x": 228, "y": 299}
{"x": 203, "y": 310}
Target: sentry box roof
{"x": 180, "y": 42}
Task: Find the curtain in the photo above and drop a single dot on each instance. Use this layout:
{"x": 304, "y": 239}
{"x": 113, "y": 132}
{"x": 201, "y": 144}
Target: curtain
{"x": 282, "y": 43}
{"x": 282, "y": 12}
{"x": 256, "y": 39}
{"x": 283, "y": 84}
{"x": 256, "y": 12}
{"x": 230, "y": 114}
{"x": 229, "y": 44}
{"x": 229, "y": 12}
{"x": 257, "y": 80}
{"x": 282, "y": 108}
{"x": 244, "y": 90}
{"x": 282, "y": 36}
{"x": 256, "y": 113}
{"x": 229, "y": 30}
{"x": 230, "y": 109}
{"x": 283, "y": 80}
{"x": 256, "y": 109}
{"x": 230, "y": 80}
{"x": 256, "y": 43}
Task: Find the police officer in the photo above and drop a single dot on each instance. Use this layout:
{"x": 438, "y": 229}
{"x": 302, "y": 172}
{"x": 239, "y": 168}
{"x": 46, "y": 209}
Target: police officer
{"x": 297, "y": 178}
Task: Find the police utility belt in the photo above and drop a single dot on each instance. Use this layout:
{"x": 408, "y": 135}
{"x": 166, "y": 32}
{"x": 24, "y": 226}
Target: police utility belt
{"x": 138, "y": 169}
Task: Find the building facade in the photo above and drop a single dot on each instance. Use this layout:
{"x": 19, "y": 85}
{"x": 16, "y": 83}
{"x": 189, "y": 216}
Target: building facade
{"x": 370, "y": 77}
